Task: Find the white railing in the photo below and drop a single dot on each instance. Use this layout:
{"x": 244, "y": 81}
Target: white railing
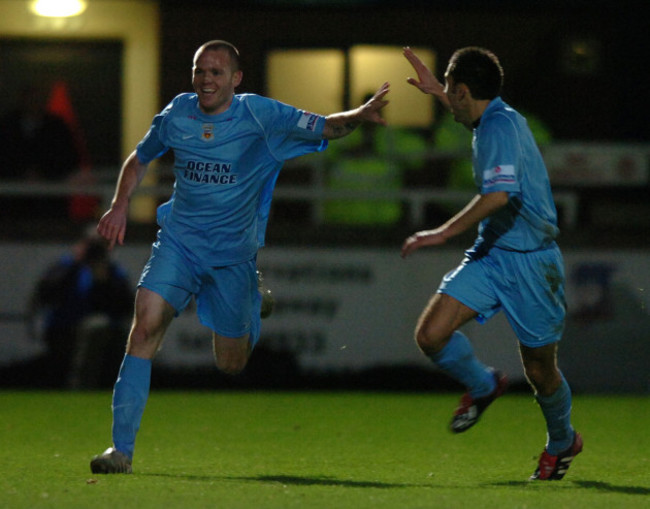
{"x": 416, "y": 200}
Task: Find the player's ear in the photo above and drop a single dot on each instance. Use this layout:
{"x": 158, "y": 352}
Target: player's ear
{"x": 463, "y": 92}
{"x": 236, "y": 78}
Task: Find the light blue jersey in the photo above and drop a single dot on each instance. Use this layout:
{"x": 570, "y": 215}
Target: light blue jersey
{"x": 506, "y": 158}
{"x": 225, "y": 167}
{"x": 515, "y": 264}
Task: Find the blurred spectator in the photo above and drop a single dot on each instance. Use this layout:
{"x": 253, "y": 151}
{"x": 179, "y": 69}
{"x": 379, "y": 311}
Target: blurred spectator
{"x": 371, "y": 159}
{"x": 36, "y": 146}
{"x": 85, "y": 301}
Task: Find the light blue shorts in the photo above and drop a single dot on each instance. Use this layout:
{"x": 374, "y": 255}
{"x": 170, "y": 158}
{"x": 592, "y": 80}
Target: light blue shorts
{"x": 227, "y": 298}
{"x": 528, "y": 287}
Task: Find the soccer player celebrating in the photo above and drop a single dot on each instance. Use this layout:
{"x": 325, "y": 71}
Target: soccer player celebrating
{"x": 228, "y": 151}
{"x": 514, "y": 265}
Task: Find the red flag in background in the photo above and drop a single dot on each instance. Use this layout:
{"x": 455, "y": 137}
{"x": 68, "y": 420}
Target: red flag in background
{"x": 81, "y": 207}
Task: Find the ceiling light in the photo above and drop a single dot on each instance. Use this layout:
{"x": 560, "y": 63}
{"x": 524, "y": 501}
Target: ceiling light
{"x": 58, "y": 8}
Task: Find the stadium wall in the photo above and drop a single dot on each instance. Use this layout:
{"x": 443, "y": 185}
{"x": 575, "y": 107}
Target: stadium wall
{"x": 353, "y": 309}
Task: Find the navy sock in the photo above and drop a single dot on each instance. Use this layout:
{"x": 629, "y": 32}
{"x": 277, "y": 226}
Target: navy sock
{"x": 130, "y": 396}
{"x": 457, "y": 359}
{"x": 557, "y": 412}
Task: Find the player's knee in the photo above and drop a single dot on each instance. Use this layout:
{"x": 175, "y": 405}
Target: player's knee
{"x": 533, "y": 375}
{"x": 231, "y": 354}
{"x": 422, "y": 340}
{"x": 231, "y": 365}
{"x": 428, "y": 339}
{"x": 143, "y": 341}
{"x": 545, "y": 381}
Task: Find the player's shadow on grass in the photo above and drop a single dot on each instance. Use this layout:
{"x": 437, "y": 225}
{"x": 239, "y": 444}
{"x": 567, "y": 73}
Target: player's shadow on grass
{"x": 605, "y": 486}
{"x": 597, "y": 485}
{"x": 296, "y": 480}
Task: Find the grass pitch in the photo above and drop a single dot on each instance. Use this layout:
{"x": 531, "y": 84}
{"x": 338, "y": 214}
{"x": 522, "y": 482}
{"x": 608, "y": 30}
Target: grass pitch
{"x": 317, "y": 450}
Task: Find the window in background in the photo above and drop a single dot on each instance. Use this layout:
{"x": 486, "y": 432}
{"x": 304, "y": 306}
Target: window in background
{"x": 370, "y": 66}
{"x": 329, "y": 80}
{"x": 311, "y": 79}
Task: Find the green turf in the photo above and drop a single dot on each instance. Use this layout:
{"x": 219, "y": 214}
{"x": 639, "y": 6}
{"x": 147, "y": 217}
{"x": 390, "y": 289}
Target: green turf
{"x": 317, "y": 450}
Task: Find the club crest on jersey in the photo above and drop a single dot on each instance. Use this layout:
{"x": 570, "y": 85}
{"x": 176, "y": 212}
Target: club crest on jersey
{"x": 208, "y": 133}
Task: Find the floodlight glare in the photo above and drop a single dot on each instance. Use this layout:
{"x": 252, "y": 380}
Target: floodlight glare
{"x": 58, "y": 8}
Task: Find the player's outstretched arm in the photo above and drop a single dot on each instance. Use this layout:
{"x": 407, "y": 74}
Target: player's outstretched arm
{"x": 112, "y": 225}
{"x": 426, "y": 82}
{"x": 480, "y": 207}
{"x": 341, "y": 124}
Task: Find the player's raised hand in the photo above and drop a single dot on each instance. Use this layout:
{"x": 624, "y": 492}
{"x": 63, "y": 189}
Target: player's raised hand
{"x": 371, "y": 110}
{"x": 343, "y": 123}
{"x": 426, "y": 82}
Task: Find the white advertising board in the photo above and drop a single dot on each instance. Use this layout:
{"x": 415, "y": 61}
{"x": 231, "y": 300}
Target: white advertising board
{"x": 597, "y": 164}
{"x": 351, "y": 309}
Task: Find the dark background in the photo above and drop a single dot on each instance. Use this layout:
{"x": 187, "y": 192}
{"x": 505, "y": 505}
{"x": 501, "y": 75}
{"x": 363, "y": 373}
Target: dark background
{"x": 604, "y": 99}
{"x": 92, "y": 73}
